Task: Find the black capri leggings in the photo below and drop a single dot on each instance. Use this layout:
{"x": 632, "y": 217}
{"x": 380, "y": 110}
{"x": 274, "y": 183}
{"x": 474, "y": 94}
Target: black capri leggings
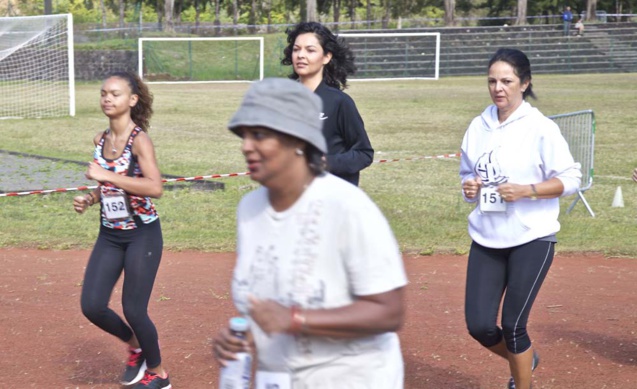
{"x": 138, "y": 253}
{"x": 520, "y": 272}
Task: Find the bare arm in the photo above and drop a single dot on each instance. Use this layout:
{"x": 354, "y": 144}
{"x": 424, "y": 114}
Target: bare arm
{"x": 81, "y": 203}
{"x": 368, "y": 315}
{"x": 548, "y": 189}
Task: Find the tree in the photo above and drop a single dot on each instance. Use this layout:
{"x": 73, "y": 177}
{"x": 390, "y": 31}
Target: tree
{"x": 235, "y": 15}
{"x": 198, "y": 13}
{"x": 252, "y": 17}
{"x": 267, "y": 9}
{"x": 386, "y": 14}
{"x": 591, "y": 9}
{"x": 160, "y": 13}
{"x": 337, "y": 13}
{"x": 122, "y": 8}
{"x": 169, "y": 26}
{"x": 497, "y": 9}
{"x": 217, "y": 21}
{"x": 351, "y": 10}
{"x": 311, "y": 11}
{"x": 48, "y": 7}
{"x": 450, "y": 10}
{"x": 177, "y": 10}
{"x": 103, "y": 9}
{"x": 521, "y": 19}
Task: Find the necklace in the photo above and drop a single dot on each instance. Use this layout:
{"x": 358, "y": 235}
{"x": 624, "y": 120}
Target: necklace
{"x": 113, "y": 141}
{"x": 110, "y": 139}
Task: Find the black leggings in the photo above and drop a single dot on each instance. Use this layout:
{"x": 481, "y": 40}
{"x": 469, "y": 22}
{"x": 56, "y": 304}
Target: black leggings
{"x": 520, "y": 272}
{"x": 138, "y": 253}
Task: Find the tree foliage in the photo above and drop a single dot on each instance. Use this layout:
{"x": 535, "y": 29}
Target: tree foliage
{"x": 291, "y": 11}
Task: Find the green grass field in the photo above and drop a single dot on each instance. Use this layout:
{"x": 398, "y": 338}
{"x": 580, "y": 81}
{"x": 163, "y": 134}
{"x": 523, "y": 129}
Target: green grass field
{"x": 407, "y": 119}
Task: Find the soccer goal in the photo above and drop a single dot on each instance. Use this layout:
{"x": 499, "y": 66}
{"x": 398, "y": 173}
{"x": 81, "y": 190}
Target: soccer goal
{"x": 395, "y": 56}
{"x": 37, "y": 76}
{"x": 200, "y": 60}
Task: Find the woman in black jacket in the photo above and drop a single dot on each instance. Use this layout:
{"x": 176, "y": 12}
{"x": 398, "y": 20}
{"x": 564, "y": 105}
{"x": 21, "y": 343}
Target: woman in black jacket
{"x": 322, "y": 62}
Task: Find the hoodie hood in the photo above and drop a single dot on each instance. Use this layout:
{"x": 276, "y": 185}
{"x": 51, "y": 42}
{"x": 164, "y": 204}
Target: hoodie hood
{"x": 490, "y": 115}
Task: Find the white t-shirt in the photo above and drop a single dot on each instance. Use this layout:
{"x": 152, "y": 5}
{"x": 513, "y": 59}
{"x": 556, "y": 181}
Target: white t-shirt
{"x": 333, "y": 244}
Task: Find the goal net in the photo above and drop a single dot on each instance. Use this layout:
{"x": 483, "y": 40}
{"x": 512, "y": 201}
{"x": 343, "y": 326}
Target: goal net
{"x": 395, "y": 56}
{"x": 36, "y": 66}
{"x": 200, "y": 60}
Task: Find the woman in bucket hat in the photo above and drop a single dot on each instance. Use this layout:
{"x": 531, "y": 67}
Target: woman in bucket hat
{"x": 319, "y": 274}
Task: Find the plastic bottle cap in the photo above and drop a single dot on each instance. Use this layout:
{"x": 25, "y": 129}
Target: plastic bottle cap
{"x": 239, "y": 324}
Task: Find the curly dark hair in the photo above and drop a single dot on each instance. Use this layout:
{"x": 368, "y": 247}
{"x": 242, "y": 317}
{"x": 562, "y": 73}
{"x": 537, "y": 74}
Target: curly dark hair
{"x": 335, "y": 73}
{"x": 143, "y": 110}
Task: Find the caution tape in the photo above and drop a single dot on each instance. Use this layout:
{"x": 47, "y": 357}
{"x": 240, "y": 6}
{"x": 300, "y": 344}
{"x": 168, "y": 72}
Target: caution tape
{"x": 46, "y": 191}
{"x": 419, "y": 158}
{"x": 199, "y": 178}
{"x": 82, "y": 188}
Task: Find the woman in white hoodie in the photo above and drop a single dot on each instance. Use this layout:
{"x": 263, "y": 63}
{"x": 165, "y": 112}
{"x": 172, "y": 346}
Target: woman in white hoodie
{"x": 515, "y": 165}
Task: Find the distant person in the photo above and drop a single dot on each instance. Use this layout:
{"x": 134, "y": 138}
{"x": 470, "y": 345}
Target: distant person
{"x": 567, "y": 18}
{"x": 319, "y": 274}
{"x": 322, "y": 62}
{"x": 515, "y": 165}
{"x": 130, "y": 236}
{"x": 579, "y": 26}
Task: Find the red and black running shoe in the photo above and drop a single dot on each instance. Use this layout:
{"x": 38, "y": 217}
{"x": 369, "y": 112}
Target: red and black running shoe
{"x": 135, "y": 367}
{"x": 153, "y": 381}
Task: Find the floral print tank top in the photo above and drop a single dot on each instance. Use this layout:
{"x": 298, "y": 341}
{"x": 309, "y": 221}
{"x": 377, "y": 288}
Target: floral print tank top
{"x": 141, "y": 207}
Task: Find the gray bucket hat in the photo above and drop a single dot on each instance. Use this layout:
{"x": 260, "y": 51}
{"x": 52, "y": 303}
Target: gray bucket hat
{"x": 285, "y": 106}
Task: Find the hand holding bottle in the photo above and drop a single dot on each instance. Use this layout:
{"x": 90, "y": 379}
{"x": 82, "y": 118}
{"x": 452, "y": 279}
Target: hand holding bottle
{"x": 232, "y": 350}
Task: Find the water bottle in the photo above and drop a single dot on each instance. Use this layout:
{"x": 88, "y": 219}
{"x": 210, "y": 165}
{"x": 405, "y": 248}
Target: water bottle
{"x": 237, "y": 373}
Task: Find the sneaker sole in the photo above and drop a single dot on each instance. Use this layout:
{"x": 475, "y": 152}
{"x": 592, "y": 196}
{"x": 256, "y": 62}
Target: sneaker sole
{"x": 138, "y": 377}
{"x": 536, "y": 361}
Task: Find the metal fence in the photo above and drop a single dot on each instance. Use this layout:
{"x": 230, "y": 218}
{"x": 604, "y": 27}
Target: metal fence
{"x": 578, "y": 128}
{"x": 603, "y": 48}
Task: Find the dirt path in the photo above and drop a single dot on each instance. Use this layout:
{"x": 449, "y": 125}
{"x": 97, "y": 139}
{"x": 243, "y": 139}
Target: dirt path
{"x": 584, "y": 323}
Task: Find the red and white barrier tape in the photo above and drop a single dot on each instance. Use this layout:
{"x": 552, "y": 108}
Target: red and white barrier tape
{"x": 46, "y": 191}
{"x": 199, "y": 178}
{"x": 80, "y": 188}
{"x": 418, "y": 158}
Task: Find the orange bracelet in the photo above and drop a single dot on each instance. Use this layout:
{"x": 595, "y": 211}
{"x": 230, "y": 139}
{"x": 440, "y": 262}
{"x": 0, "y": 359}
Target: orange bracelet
{"x": 298, "y": 320}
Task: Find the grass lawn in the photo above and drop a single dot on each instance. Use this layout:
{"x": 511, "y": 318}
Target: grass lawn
{"x": 406, "y": 119}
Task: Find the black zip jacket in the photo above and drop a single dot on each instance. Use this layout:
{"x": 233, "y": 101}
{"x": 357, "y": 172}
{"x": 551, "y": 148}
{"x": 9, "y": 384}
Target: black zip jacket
{"x": 348, "y": 148}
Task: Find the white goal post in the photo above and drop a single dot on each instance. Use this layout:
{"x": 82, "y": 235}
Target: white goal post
{"x": 200, "y": 60}
{"x": 395, "y": 56}
{"x": 37, "y": 74}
